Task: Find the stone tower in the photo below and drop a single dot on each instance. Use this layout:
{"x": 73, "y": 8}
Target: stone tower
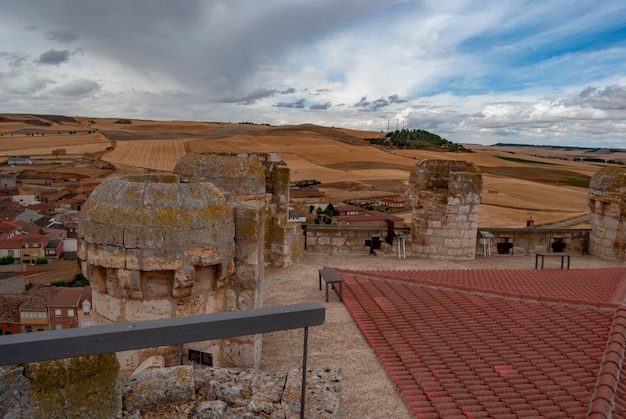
{"x": 256, "y": 179}
{"x": 155, "y": 247}
{"x": 445, "y": 198}
{"x": 607, "y": 201}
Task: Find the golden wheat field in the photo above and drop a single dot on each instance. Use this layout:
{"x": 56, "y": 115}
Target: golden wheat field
{"x": 159, "y": 155}
{"x": 518, "y": 183}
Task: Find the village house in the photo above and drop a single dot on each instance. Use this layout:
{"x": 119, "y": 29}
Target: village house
{"x": 75, "y": 203}
{"x": 371, "y": 218}
{"x": 357, "y": 216}
{"x": 11, "y": 247}
{"x": 296, "y": 217}
{"x": 53, "y": 195}
{"x": 54, "y": 248}
{"x": 35, "y": 246}
{"x": 85, "y": 312}
{"x": 9, "y": 229}
{"x": 8, "y": 180}
{"x": 66, "y": 308}
{"x": 34, "y": 310}
{"x": 344, "y": 210}
{"x": 24, "y": 200}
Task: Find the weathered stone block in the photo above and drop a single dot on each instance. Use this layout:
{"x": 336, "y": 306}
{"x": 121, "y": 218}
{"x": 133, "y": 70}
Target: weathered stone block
{"x": 75, "y": 387}
{"x": 157, "y": 386}
{"x": 14, "y": 393}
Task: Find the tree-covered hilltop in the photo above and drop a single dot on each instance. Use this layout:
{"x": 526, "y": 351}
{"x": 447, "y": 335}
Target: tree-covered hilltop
{"x": 417, "y": 139}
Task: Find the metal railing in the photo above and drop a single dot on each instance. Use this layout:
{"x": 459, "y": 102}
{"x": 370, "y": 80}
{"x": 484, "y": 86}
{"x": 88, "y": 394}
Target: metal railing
{"x": 68, "y": 343}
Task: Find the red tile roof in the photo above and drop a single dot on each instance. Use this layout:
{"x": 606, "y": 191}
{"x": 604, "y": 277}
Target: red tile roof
{"x": 10, "y": 308}
{"x": 7, "y": 227}
{"x": 67, "y": 297}
{"x": 505, "y": 343}
{"x": 40, "y": 299}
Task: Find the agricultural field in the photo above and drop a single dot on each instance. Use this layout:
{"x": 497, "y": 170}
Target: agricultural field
{"x": 14, "y": 145}
{"x": 161, "y": 155}
{"x": 544, "y": 184}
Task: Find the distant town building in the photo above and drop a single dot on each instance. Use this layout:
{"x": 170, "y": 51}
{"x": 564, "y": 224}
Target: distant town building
{"x": 349, "y": 210}
{"x": 371, "y": 218}
{"x": 34, "y": 310}
{"x": 19, "y": 160}
{"x": 307, "y": 192}
{"x": 24, "y": 200}
{"x": 296, "y": 217}
{"x": 9, "y": 229}
{"x": 391, "y": 203}
{"x": 8, "y": 180}
{"x": 66, "y": 308}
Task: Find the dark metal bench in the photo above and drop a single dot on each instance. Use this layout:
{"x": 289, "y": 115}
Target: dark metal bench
{"x": 555, "y": 254}
{"x": 330, "y": 276}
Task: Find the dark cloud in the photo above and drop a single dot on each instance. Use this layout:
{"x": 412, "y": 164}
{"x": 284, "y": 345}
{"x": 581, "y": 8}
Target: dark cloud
{"x": 215, "y": 46}
{"x": 15, "y": 60}
{"x": 80, "y": 87}
{"x": 54, "y": 57}
{"x": 288, "y": 91}
{"x": 67, "y": 36}
{"x": 247, "y": 98}
{"x": 366, "y": 105}
{"x": 299, "y": 104}
{"x": 612, "y": 97}
{"x": 321, "y": 106}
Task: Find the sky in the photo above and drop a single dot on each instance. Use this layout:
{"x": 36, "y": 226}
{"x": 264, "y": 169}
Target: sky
{"x": 472, "y": 71}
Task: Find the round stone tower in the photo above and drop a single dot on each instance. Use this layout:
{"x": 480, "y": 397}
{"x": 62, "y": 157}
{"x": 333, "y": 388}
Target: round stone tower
{"x": 445, "y": 198}
{"x": 607, "y": 201}
{"x": 153, "y": 247}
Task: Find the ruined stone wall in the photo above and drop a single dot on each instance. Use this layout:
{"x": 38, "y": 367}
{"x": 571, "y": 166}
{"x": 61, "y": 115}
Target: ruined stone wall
{"x": 445, "y": 198}
{"x": 607, "y": 201}
{"x": 251, "y": 177}
{"x": 341, "y": 240}
{"x": 529, "y": 241}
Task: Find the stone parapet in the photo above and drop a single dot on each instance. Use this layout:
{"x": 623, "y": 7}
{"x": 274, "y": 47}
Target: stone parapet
{"x": 342, "y": 240}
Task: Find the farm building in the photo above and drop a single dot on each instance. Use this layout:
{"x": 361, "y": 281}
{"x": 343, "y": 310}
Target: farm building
{"x": 19, "y": 161}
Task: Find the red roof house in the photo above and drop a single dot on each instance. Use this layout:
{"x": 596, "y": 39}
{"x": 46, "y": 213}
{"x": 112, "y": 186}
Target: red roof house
{"x": 63, "y": 308}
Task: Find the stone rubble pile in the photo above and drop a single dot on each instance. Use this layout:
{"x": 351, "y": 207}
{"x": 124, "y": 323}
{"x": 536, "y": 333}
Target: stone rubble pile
{"x": 207, "y": 392}
{"x": 182, "y": 392}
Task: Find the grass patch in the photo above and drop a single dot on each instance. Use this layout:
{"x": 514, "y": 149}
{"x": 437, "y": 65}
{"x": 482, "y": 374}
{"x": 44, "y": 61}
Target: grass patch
{"x": 518, "y": 160}
{"x": 550, "y": 176}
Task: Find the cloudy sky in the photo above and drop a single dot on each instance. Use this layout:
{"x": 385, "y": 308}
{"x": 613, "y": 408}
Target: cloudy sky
{"x": 479, "y": 71}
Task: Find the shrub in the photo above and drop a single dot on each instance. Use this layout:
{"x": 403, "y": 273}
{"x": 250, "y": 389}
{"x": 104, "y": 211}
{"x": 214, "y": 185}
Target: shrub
{"x": 7, "y": 260}
{"x": 41, "y": 261}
